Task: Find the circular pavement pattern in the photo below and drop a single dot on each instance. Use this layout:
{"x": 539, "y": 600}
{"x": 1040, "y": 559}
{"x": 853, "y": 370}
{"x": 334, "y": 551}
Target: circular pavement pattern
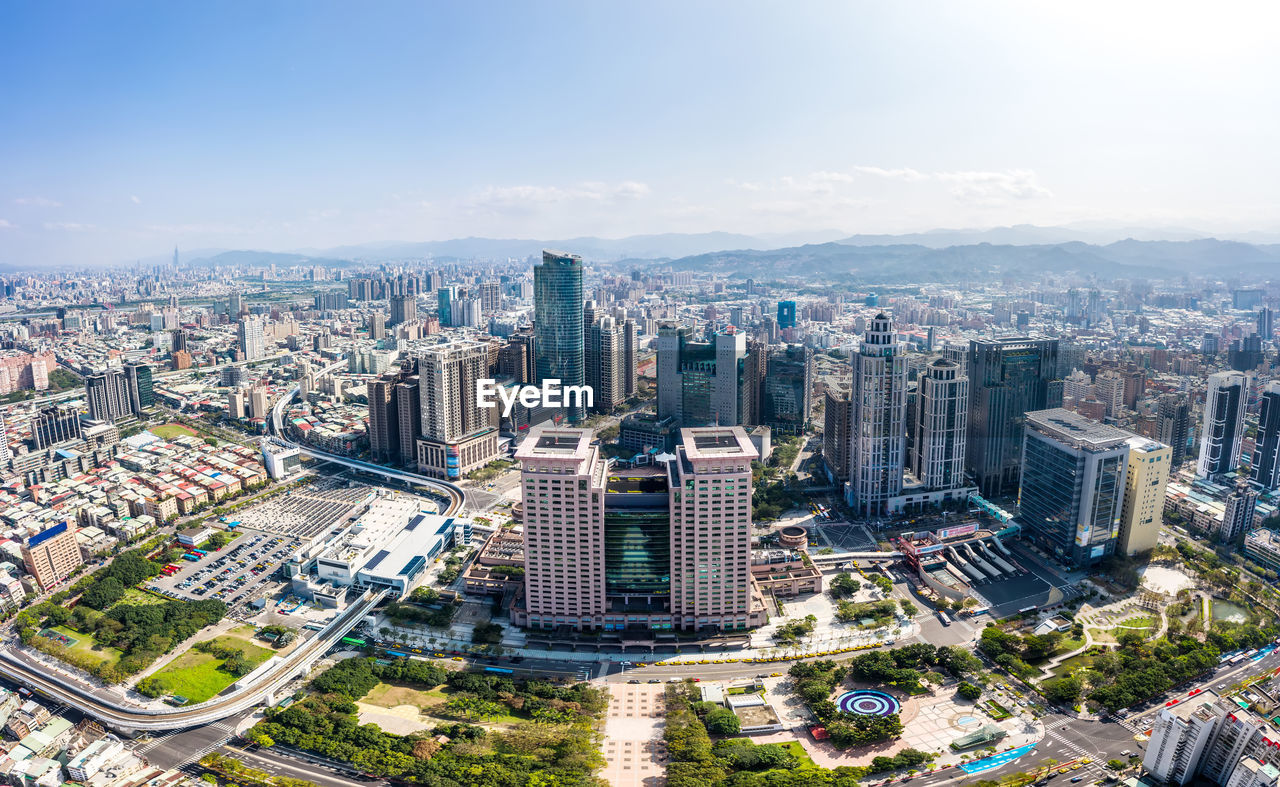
{"x": 866, "y": 702}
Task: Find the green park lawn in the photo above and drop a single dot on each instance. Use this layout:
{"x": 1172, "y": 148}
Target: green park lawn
{"x": 85, "y": 644}
{"x": 170, "y": 431}
{"x": 195, "y": 674}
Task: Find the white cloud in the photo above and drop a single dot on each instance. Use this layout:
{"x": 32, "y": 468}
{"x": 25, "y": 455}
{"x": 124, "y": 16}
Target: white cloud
{"x": 38, "y": 202}
{"x": 67, "y": 226}
{"x": 904, "y": 173}
{"x": 134, "y": 199}
{"x": 993, "y": 187}
{"x": 7, "y": 225}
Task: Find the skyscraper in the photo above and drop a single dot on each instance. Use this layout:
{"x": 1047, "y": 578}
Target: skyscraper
{"x": 235, "y": 305}
{"x": 1073, "y": 480}
{"x": 384, "y": 435}
{"x": 557, "y": 323}
{"x": 630, "y": 353}
{"x": 704, "y": 383}
{"x": 711, "y": 531}
{"x": 445, "y": 298}
{"x": 1007, "y": 379}
{"x": 836, "y": 439}
{"x": 249, "y": 335}
{"x": 1223, "y": 426}
{"x": 1142, "y": 512}
{"x": 941, "y": 426}
{"x": 1265, "y": 468}
{"x": 404, "y": 310}
{"x": 563, "y": 481}
{"x": 1266, "y": 323}
{"x": 877, "y": 423}
{"x": 458, "y": 435}
{"x": 1173, "y": 425}
{"x": 408, "y": 404}
{"x": 107, "y": 393}
{"x": 137, "y": 377}
{"x": 786, "y": 314}
{"x": 787, "y": 390}
{"x": 605, "y": 371}
{"x": 490, "y": 297}
{"x": 53, "y": 425}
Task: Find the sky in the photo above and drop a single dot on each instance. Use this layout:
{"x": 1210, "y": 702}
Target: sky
{"x": 128, "y": 128}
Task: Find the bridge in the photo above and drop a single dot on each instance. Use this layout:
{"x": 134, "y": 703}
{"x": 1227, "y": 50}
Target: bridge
{"x": 107, "y": 705}
{"x": 845, "y": 557}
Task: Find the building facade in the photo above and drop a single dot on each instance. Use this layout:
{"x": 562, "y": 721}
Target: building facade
{"x": 786, "y": 399}
{"x": 558, "y": 323}
{"x": 1265, "y": 468}
{"x": 1072, "y": 487}
{"x": 941, "y": 426}
{"x": 1223, "y": 426}
{"x": 877, "y": 421}
{"x": 1146, "y": 479}
{"x": 52, "y": 555}
{"x": 1008, "y": 378}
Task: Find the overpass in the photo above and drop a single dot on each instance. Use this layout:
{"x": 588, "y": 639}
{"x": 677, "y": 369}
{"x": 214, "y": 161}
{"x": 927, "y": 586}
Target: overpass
{"x": 130, "y": 718}
{"x": 845, "y": 557}
{"x": 105, "y": 704}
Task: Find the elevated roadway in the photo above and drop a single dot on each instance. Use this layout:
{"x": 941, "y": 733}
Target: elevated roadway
{"x": 106, "y": 704}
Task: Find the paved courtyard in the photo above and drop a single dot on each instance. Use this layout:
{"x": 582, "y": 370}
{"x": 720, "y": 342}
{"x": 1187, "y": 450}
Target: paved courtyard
{"x": 633, "y": 746}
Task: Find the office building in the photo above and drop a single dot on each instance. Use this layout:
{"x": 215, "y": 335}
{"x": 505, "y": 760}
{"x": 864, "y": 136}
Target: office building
{"x": 704, "y": 383}
{"x": 458, "y": 435}
{"x": 877, "y": 423}
{"x": 1173, "y": 425}
{"x": 835, "y": 434}
{"x": 235, "y": 305}
{"x": 606, "y": 364}
{"x": 404, "y": 310}
{"x": 1008, "y": 378}
{"x": 1263, "y": 547}
{"x": 1223, "y": 425}
{"x": 786, "y": 399}
{"x": 107, "y": 393}
{"x": 54, "y": 425}
{"x": 558, "y": 323}
{"x": 637, "y": 547}
{"x": 52, "y": 555}
{"x": 137, "y": 376}
{"x": 445, "y": 299}
{"x": 630, "y": 357}
{"x": 1266, "y": 323}
{"x": 941, "y": 426}
{"x": 786, "y": 314}
{"x": 515, "y": 359}
{"x": 711, "y": 586}
{"x": 1237, "y": 517}
{"x": 1265, "y": 468}
{"x": 563, "y": 481}
{"x": 1142, "y": 512}
{"x": 1072, "y": 486}
{"x": 250, "y": 338}
{"x": 1245, "y": 354}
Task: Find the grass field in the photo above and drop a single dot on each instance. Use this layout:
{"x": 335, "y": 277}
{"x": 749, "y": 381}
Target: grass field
{"x": 170, "y": 431}
{"x": 797, "y": 750}
{"x": 85, "y": 644}
{"x": 135, "y": 597}
{"x": 195, "y": 675}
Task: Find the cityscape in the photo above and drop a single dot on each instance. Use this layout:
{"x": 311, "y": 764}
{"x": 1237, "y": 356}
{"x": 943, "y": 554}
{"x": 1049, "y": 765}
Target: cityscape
{"x": 647, "y": 477}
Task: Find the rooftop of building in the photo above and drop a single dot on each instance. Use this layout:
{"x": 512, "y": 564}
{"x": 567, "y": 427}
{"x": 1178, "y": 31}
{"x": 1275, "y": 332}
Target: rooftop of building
{"x": 1076, "y": 430}
{"x": 1146, "y": 445}
{"x": 547, "y": 442}
{"x": 717, "y": 442}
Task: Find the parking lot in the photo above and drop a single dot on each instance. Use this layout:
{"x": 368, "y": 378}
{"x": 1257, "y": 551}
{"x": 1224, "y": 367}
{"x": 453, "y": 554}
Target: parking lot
{"x": 241, "y": 571}
{"x": 306, "y": 512}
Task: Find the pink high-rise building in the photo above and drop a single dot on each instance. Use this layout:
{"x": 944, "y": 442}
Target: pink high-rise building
{"x": 563, "y": 481}
{"x": 711, "y": 531}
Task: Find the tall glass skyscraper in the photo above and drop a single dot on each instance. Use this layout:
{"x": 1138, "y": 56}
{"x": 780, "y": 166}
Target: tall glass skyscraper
{"x": 557, "y": 322}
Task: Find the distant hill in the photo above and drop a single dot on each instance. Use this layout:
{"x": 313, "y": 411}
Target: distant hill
{"x": 284, "y": 259}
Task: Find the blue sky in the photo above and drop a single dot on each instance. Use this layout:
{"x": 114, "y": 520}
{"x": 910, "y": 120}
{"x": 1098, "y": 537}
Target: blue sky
{"x": 131, "y": 127}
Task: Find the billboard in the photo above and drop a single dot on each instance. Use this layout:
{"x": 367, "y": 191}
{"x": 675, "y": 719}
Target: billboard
{"x": 959, "y": 530}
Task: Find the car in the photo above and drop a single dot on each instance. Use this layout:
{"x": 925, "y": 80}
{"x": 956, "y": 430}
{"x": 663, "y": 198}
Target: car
{"x": 633, "y": 680}
{"x": 674, "y": 680}
{"x": 1075, "y": 779}
{"x": 654, "y": 680}
{"x": 697, "y": 680}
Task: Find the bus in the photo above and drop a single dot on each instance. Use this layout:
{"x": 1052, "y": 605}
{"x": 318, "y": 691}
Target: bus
{"x": 1239, "y": 657}
{"x": 200, "y": 552}
{"x": 499, "y": 670}
{"x": 397, "y": 654}
{"x": 359, "y": 643}
{"x": 192, "y": 558}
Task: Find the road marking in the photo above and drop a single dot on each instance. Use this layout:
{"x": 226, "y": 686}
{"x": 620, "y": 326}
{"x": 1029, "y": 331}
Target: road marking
{"x": 997, "y": 760}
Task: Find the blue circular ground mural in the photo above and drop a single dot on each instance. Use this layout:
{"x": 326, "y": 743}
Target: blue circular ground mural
{"x": 866, "y": 702}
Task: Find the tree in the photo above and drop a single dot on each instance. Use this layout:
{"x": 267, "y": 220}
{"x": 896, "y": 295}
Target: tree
{"x": 842, "y": 585}
{"x": 908, "y": 608}
{"x": 1064, "y": 691}
{"x": 723, "y": 721}
{"x": 969, "y": 691}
